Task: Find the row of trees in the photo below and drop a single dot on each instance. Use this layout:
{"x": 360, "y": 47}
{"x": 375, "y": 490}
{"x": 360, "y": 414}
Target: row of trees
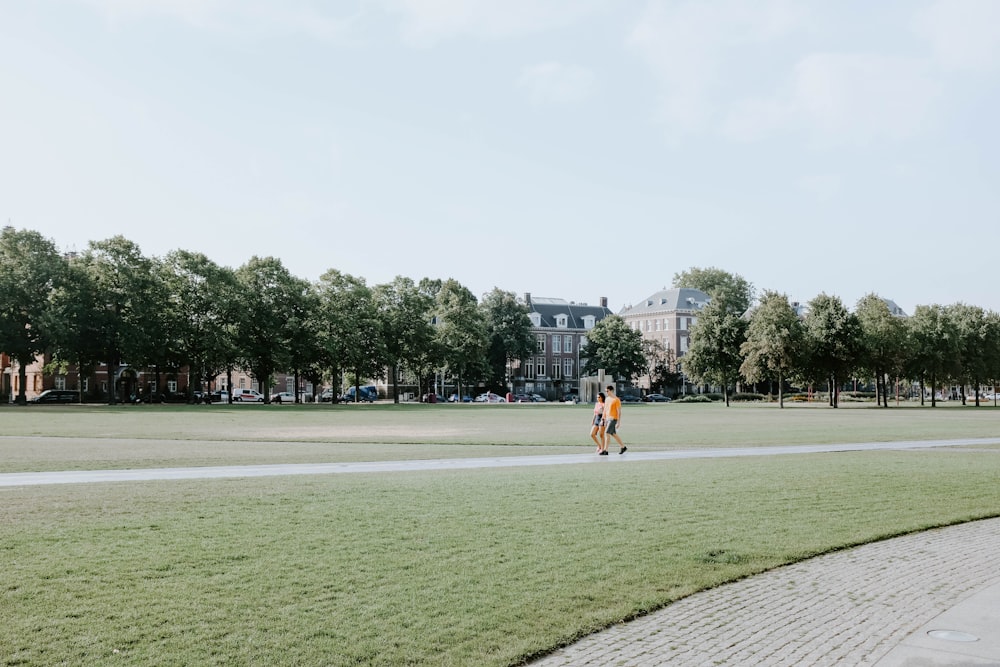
{"x": 938, "y": 345}
{"x": 110, "y": 304}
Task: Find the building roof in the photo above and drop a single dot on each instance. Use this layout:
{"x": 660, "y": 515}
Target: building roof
{"x": 669, "y": 300}
{"x": 894, "y": 308}
{"x": 550, "y": 309}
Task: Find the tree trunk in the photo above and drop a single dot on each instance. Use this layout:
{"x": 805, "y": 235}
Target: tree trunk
{"x": 22, "y": 375}
{"x": 781, "y": 390}
{"x": 394, "y": 372}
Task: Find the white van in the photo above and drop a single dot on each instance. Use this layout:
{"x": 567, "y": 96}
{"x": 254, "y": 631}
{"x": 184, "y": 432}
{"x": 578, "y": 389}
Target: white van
{"x": 247, "y": 396}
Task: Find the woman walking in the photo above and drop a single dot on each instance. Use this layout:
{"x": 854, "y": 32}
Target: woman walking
{"x": 597, "y": 428}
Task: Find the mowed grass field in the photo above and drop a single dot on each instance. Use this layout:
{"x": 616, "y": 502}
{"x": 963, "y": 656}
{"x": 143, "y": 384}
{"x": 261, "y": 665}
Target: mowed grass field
{"x": 484, "y": 567}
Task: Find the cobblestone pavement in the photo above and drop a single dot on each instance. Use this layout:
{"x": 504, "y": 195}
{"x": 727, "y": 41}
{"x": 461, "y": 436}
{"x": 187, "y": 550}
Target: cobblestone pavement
{"x": 851, "y": 607}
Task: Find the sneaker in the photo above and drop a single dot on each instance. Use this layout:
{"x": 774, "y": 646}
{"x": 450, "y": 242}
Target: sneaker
{"x": 624, "y": 449}
{"x": 604, "y": 453}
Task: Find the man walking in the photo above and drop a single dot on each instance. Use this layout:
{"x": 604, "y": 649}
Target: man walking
{"x": 612, "y": 417}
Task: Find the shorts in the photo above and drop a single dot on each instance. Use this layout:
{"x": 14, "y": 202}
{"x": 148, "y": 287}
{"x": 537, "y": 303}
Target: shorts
{"x": 612, "y": 427}
{"x": 598, "y": 420}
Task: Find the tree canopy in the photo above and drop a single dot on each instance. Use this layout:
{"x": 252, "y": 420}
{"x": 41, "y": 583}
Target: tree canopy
{"x": 731, "y": 291}
{"x": 616, "y": 348}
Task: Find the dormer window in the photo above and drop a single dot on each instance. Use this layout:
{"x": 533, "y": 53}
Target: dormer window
{"x": 536, "y": 319}
{"x": 561, "y": 321}
{"x": 588, "y": 321}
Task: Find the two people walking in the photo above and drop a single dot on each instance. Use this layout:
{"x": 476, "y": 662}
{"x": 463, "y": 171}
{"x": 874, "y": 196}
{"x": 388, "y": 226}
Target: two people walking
{"x": 607, "y": 415}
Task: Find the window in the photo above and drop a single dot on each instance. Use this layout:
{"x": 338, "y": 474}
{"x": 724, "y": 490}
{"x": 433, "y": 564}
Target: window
{"x": 588, "y": 322}
{"x": 529, "y": 370}
{"x": 86, "y": 385}
{"x": 540, "y": 343}
{"x": 567, "y": 344}
{"x": 60, "y": 382}
{"x": 536, "y": 319}
{"x": 561, "y": 321}
{"x": 289, "y": 385}
{"x": 556, "y": 344}
{"x": 172, "y": 386}
{"x": 567, "y": 368}
{"x": 540, "y": 367}
{"x": 243, "y": 383}
{"x": 556, "y": 371}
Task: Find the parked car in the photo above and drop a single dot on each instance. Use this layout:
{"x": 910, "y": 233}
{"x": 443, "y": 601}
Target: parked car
{"x": 367, "y": 393}
{"x": 631, "y": 398}
{"x": 57, "y": 396}
{"x": 283, "y": 397}
{"x": 571, "y": 398}
{"x": 537, "y": 398}
{"x": 247, "y": 396}
{"x": 656, "y": 398}
{"x": 219, "y": 397}
{"x": 490, "y": 397}
{"x": 327, "y": 395}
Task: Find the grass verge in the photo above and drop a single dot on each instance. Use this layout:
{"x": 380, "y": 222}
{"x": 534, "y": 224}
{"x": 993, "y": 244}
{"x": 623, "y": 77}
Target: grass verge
{"x": 484, "y": 567}
{"x": 43, "y": 438}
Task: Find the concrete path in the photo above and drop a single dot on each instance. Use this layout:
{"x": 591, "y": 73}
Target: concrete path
{"x": 217, "y": 472}
{"x": 931, "y": 598}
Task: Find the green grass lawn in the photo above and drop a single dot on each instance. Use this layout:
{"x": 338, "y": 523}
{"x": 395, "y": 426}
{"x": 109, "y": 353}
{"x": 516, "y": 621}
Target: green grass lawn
{"x": 38, "y": 438}
{"x": 484, "y": 567}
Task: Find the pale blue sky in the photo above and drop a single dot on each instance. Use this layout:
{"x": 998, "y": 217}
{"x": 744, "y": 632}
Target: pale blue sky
{"x": 569, "y": 148}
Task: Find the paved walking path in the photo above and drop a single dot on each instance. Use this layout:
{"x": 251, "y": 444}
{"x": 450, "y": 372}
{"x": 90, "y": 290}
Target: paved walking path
{"x": 216, "y": 472}
{"x": 931, "y": 598}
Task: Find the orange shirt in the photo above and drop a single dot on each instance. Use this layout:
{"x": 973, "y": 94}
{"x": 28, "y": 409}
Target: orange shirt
{"x": 612, "y": 408}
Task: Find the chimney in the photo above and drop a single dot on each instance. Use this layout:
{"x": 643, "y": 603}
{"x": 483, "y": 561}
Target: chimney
{"x": 604, "y": 302}
{"x": 527, "y": 299}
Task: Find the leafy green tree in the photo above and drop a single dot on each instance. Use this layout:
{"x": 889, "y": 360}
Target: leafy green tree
{"x": 713, "y": 356}
{"x": 832, "y": 337}
{"x": 75, "y": 329}
{"x": 30, "y": 268}
{"x": 305, "y": 351}
{"x": 126, "y": 315}
{"x": 200, "y": 321}
{"x": 773, "y": 347}
{"x": 661, "y": 365}
{"x": 508, "y": 328}
{"x": 992, "y": 346}
{"x": 732, "y": 291}
{"x": 883, "y": 343}
{"x": 461, "y": 332}
{"x": 934, "y": 347}
{"x": 405, "y": 314}
{"x": 351, "y": 332}
{"x": 616, "y": 348}
{"x": 268, "y": 297}
{"x": 971, "y": 327}
{"x": 428, "y": 359}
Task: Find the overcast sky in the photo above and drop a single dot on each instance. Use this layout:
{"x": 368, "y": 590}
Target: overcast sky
{"x": 567, "y": 148}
